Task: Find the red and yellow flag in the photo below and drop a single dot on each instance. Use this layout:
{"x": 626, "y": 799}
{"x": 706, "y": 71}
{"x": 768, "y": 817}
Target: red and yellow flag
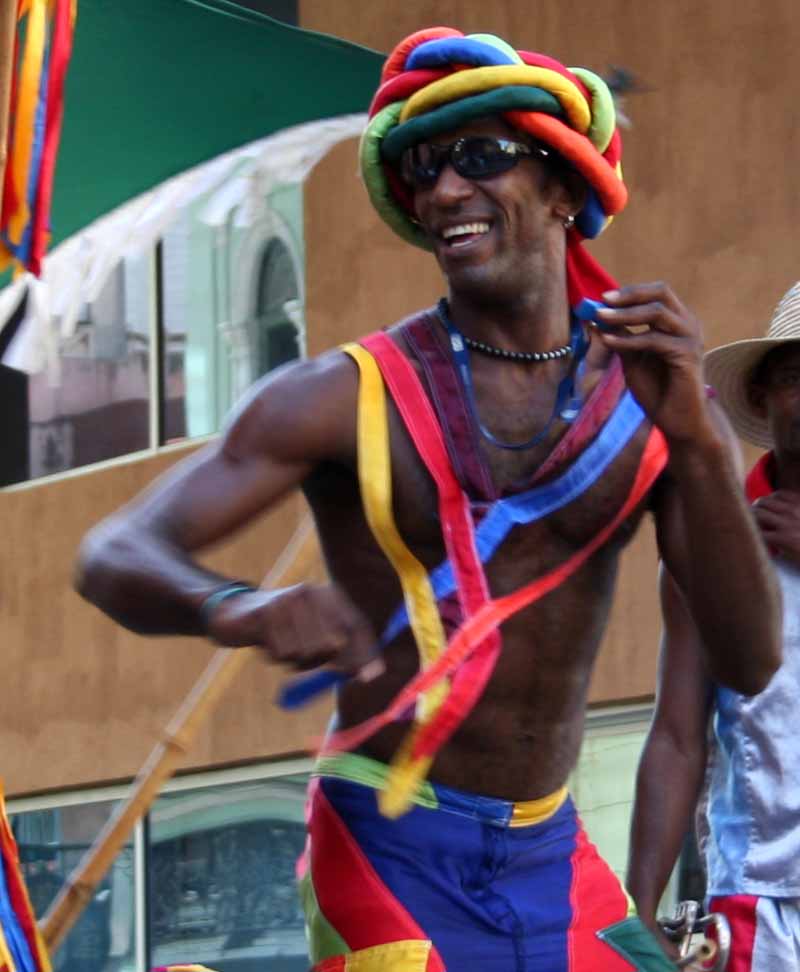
{"x": 42, "y": 46}
{"x": 21, "y": 945}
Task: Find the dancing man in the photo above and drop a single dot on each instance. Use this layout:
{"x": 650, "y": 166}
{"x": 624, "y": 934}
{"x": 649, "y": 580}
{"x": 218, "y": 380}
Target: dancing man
{"x": 474, "y": 473}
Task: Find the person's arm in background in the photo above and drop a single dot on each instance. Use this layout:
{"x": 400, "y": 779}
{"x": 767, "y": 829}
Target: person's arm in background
{"x": 672, "y": 766}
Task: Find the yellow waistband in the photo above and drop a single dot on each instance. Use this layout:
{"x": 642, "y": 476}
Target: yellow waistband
{"x": 358, "y": 768}
{"x": 527, "y": 812}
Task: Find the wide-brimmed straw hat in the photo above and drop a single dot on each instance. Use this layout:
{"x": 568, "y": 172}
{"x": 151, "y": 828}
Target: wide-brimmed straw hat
{"x": 730, "y": 367}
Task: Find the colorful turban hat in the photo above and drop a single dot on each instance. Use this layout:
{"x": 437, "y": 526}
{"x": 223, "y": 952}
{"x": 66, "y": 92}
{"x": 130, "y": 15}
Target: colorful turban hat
{"x": 438, "y": 79}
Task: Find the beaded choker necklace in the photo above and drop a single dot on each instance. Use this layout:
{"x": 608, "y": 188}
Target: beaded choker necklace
{"x": 528, "y": 356}
{"x": 567, "y": 403}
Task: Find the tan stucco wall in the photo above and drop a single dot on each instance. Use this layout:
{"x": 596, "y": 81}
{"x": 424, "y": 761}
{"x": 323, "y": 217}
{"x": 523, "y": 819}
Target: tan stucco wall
{"x": 84, "y": 700}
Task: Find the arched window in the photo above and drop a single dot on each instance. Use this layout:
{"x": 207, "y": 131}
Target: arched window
{"x": 275, "y": 340}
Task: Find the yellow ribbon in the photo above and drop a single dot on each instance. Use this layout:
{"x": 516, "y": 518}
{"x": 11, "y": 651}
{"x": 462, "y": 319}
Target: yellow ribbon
{"x": 462, "y": 84}
{"x": 406, "y": 775}
{"x": 375, "y": 480}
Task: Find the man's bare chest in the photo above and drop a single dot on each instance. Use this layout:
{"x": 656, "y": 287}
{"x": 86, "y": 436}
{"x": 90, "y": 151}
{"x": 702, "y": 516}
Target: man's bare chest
{"x": 545, "y": 540}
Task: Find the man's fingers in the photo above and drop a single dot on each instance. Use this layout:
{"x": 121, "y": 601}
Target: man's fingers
{"x": 655, "y": 315}
{"x": 655, "y": 342}
{"x": 645, "y": 293}
{"x": 356, "y": 647}
{"x": 306, "y": 626}
{"x": 780, "y": 501}
{"x": 360, "y": 654}
{"x": 771, "y": 519}
{"x": 371, "y": 670}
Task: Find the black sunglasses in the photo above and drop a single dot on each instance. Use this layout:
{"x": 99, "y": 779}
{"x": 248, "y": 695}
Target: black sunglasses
{"x": 473, "y": 157}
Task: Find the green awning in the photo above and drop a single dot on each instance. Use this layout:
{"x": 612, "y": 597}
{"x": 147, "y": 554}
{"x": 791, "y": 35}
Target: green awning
{"x": 158, "y": 86}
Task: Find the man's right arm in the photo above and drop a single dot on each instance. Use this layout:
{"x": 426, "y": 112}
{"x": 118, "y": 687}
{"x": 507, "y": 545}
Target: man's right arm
{"x": 672, "y": 766}
{"x": 138, "y": 565}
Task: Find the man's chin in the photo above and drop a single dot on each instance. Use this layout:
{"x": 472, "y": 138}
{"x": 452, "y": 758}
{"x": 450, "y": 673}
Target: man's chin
{"x": 470, "y": 280}
{"x": 481, "y": 287}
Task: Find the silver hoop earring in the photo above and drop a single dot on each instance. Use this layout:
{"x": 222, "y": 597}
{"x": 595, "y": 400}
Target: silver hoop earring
{"x": 569, "y": 222}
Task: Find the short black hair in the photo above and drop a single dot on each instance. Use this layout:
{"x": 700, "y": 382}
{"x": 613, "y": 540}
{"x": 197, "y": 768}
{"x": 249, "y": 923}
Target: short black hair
{"x": 556, "y": 167}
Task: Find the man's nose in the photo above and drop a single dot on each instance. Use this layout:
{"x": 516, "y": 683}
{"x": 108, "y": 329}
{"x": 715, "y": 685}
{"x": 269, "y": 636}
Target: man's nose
{"x": 451, "y": 188}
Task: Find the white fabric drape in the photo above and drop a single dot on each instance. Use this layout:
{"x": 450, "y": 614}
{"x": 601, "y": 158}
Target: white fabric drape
{"x": 74, "y": 272}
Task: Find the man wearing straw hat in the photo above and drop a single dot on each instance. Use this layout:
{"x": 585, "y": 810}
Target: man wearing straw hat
{"x": 750, "y": 814}
{"x": 478, "y": 466}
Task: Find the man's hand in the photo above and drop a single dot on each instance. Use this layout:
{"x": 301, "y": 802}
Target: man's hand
{"x": 778, "y": 517}
{"x": 661, "y": 347}
{"x": 302, "y": 626}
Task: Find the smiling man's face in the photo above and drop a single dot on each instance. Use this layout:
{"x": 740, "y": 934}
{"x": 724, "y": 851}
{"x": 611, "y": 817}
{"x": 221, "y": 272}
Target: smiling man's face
{"x": 495, "y": 237}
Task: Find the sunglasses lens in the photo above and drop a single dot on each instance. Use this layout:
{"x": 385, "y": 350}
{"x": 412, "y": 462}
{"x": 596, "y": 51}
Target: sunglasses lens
{"x": 481, "y": 158}
{"x": 422, "y": 164}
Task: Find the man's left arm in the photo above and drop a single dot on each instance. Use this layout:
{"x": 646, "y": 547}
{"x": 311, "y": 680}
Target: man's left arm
{"x": 707, "y": 537}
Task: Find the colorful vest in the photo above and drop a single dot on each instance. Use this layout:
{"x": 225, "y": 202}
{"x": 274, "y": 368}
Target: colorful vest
{"x": 454, "y": 671}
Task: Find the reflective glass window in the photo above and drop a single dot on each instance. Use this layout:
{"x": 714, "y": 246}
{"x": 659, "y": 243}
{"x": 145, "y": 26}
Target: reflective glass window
{"x": 51, "y": 842}
{"x": 276, "y": 338}
{"x": 93, "y": 403}
{"x": 222, "y": 877}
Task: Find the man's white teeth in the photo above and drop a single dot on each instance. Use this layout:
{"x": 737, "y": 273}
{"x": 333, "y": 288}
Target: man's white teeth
{"x": 466, "y": 229}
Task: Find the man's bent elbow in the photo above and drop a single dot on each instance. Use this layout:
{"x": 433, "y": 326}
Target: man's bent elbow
{"x": 773, "y": 643}
{"x": 773, "y": 659}
{"x": 755, "y": 674}
{"x": 101, "y": 553}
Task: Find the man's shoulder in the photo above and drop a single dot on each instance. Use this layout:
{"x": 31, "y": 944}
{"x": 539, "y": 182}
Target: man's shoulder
{"x": 310, "y": 404}
{"x": 419, "y": 318}
{"x": 324, "y": 374}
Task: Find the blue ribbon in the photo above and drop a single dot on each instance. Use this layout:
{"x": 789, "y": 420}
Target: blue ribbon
{"x": 532, "y": 505}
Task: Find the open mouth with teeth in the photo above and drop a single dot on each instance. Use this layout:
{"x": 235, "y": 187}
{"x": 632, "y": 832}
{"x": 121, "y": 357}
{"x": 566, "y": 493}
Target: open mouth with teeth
{"x": 464, "y": 233}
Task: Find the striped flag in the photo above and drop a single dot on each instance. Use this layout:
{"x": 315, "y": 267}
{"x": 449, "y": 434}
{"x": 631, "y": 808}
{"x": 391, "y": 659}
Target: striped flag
{"x": 41, "y": 51}
{"x": 21, "y": 946}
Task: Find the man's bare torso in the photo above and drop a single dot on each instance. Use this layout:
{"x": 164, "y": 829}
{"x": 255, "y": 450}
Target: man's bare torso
{"x": 522, "y": 738}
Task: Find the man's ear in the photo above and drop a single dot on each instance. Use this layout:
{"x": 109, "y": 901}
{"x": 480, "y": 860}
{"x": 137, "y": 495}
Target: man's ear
{"x": 572, "y": 194}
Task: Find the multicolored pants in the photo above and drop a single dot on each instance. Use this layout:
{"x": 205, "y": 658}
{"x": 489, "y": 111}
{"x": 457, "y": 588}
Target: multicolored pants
{"x": 765, "y": 932}
{"x": 459, "y": 883}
